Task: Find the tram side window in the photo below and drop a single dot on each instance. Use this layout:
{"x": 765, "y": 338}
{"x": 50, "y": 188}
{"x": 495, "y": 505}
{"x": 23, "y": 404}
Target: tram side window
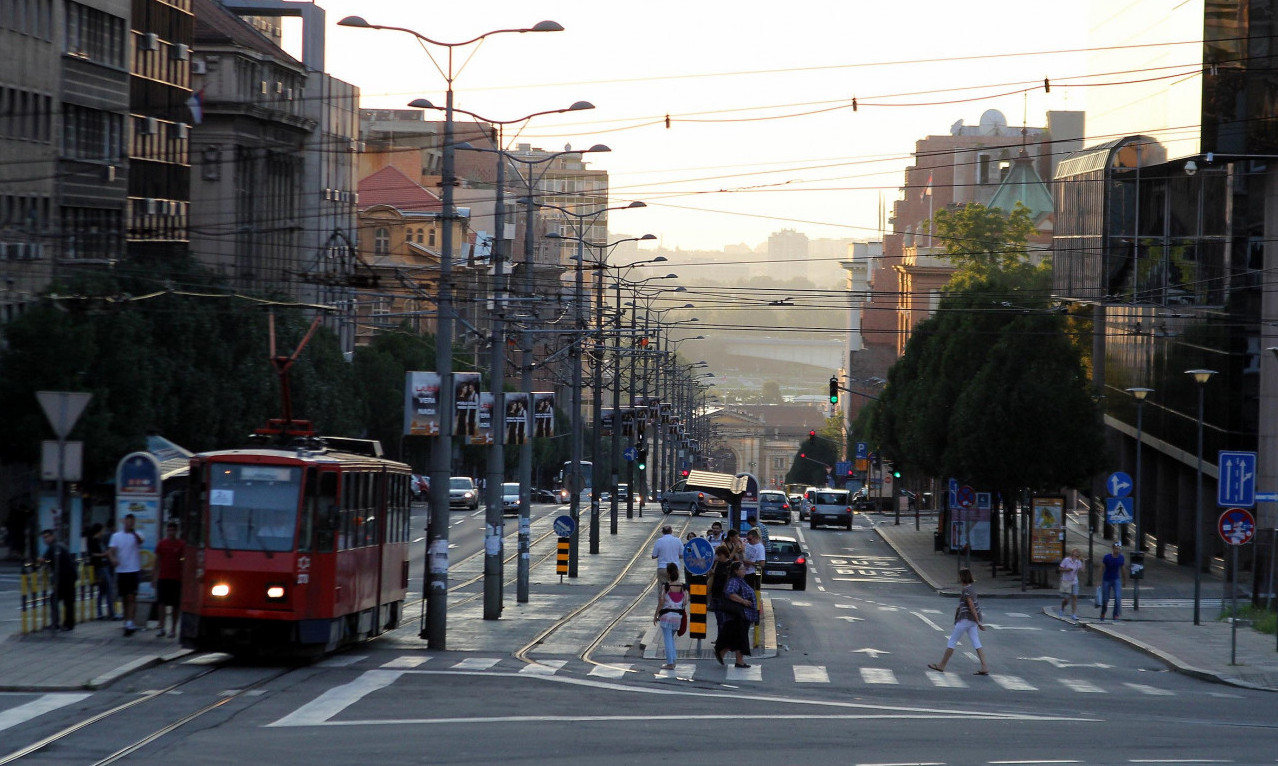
{"x": 310, "y": 504}
{"x": 193, "y": 526}
{"x": 370, "y": 505}
{"x": 329, "y": 517}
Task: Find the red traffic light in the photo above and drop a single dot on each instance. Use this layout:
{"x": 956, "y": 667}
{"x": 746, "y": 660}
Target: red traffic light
{"x": 803, "y": 454}
{"x": 811, "y": 434}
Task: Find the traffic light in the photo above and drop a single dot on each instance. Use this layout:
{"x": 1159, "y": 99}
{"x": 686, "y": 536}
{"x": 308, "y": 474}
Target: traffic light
{"x": 643, "y": 458}
{"x": 834, "y": 390}
{"x": 812, "y": 437}
{"x": 684, "y": 473}
{"x": 896, "y": 474}
{"x": 803, "y": 454}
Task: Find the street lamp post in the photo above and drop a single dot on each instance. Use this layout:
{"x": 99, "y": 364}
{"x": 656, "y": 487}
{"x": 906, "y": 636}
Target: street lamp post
{"x": 435, "y": 590}
{"x": 1200, "y": 377}
{"x": 1139, "y": 536}
{"x": 495, "y": 476}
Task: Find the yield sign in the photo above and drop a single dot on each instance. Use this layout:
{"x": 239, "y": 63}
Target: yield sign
{"x": 63, "y": 409}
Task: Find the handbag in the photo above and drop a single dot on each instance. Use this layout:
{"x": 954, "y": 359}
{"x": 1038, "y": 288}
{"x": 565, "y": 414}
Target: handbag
{"x": 683, "y": 623}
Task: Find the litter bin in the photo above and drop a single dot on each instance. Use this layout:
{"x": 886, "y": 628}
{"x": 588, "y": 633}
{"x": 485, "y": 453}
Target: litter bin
{"x": 938, "y": 543}
{"x": 1138, "y": 565}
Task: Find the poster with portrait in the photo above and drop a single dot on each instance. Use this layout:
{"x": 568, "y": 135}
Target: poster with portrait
{"x": 485, "y": 435}
{"x": 607, "y": 421}
{"x": 544, "y": 414}
{"x": 1047, "y": 529}
{"x": 466, "y": 406}
{"x": 665, "y": 409}
{"x": 421, "y": 404}
{"x": 628, "y": 418}
{"x": 518, "y": 425}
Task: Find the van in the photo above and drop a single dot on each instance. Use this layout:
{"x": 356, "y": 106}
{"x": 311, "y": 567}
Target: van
{"x": 831, "y": 507}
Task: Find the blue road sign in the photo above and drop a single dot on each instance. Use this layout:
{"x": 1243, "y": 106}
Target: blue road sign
{"x": 862, "y": 450}
{"x": 1118, "y": 510}
{"x": 843, "y": 467}
{"x": 1267, "y": 497}
{"x": 1119, "y": 484}
{"x": 953, "y": 490}
{"x": 631, "y": 453}
{"x": 983, "y": 501}
{"x": 698, "y": 556}
{"x": 1237, "y": 485}
{"x": 564, "y": 525}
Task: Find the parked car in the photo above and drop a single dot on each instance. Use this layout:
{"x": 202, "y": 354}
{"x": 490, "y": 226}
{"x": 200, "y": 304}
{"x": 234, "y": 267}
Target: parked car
{"x": 419, "y": 485}
{"x": 544, "y": 496}
{"x": 831, "y": 507}
{"x": 774, "y": 506}
{"x": 787, "y": 563}
{"x": 462, "y": 493}
{"x": 694, "y": 501}
{"x": 510, "y": 499}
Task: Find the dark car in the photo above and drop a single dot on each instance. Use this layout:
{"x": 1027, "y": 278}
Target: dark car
{"x": 796, "y": 502}
{"x": 774, "y": 506}
{"x": 787, "y": 563}
{"x": 544, "y": 496}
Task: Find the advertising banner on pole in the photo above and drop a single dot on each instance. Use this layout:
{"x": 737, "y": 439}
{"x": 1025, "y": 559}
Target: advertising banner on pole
{"x": 628, "y": 418}
{"x": 543, "y": 414}
{"x": 517, "y": 423}
{"x": 466, "y": 406}
{"x": 421, "y": 404}
{"x": 485, "y": 435}
{"x": 137, "y": 492}
{"x": 1047, "y": 529}
{"x": 606, "y": 421}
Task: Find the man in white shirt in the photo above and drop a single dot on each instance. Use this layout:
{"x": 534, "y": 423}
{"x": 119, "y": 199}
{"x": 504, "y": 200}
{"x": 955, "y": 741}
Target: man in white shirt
{"x": 756, "y": 555}
{"x": 125, "y": 550}
{"x": 667, "y": 550}
{"x": 1069, "y": 568}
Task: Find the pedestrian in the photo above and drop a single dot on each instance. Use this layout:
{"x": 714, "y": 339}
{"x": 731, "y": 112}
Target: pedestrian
{"x": 715, "y": 534}
{"x": 103, "y": 575}
{"x": 719, "y": 576}
{"x": 671, "y": 613}
{"x": 62, "y": 566}
{"x": 667, "y": 550}
{"x": 967, "y": 620}
{"x": 1069, "y": 568}
{"x": 166, "y": 578}
{"x": 761, "y": 528}
{"x": 125, "y": 549}
{"x": 1113, "y": 580}
{"x": 740, "y": 614}
{"x": 736, "y": 547}
{"x": 756, "y": 557}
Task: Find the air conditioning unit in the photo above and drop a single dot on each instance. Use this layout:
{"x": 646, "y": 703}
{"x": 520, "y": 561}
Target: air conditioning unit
{"x": 288, "y": 94}
{"x": 181, "y": 130}
{"x": 150, "y": 206}
{"x": 180, "y": 52}
{"x": 149, "y": 127}
{"x": 198, "y": 66}
{"x": 150, "y": 41}
{"x": 266, "y": 87}
{"x": 279, "y": 88}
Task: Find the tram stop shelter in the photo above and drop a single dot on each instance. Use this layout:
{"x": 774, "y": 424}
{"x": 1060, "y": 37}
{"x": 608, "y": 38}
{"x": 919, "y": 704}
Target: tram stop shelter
{"x": 723, "y": 485}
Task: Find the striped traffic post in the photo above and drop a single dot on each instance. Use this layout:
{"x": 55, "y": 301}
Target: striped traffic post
{"x": 564, "y": 527}
{"x": 697, "y": 601}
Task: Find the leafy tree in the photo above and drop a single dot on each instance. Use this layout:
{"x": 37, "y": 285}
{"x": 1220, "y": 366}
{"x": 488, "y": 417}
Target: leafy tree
{"x": 771, "y": 393}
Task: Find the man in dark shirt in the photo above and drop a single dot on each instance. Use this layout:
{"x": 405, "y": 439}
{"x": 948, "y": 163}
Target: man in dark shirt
{"x": 167, "y": 577}
{"x": 62, "y": 565}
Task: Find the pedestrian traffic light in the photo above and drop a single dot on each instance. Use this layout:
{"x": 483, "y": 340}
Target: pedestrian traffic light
{"x": 834, "y": 390}
{"x": 643, "y": 458}
{"x": 803, "y": 454}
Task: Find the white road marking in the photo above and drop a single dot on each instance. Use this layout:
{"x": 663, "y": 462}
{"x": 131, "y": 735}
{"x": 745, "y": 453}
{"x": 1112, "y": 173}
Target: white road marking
{"x": 610, "y": 671}
{"x": 337, "y": 699}
{"x": 542, "y": 668}
{"x": 405, "y": 663}
{"x": 1081, "y": 686}
{"x": 931, "y": 611}
{"x": 1016, "y": 614}
{"x": 212, "y": 658}
{"x": 846, "y": 606}
{"x": 1013, "y": 683}
{"x": 752, "y": 673}
{"x": 477, "y": 663}
{"x": 811, "y": 674}
{"x": 341, "y": 660}
{"x": 928, "y": 621}
{"x": 1032, "y": 762}
{"x": 1152, "y": 691}
{"x": 946, "y": 680}
{"x": 878, "y": 676}
{"x": 45, "y": 703}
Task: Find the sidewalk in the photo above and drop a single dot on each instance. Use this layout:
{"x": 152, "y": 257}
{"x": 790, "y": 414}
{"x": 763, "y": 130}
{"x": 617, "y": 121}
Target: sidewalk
{"x": 1163, "y": 627}
{"x": 96, "y": 653}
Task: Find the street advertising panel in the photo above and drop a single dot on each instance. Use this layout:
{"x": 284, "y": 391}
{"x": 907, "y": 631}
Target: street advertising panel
{"x": 543, "y": 414}
{"x": 466, "y": 406}
{"x": 485, "y": 435}
{"x": 518, "y": 425}
{"x": 1047, "y": 529}
{"x": 664, "y": 409}
{"x": 606, "y": 419}
{"x": 628, "y": 418}
{"x": 421, "y": 404}
{"x": 970, "y": 526}
{"x": 137, "y": 492}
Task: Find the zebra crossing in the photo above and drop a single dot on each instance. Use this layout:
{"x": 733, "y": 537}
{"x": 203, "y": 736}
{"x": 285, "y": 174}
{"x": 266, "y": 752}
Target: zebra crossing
{"x": 771, "y": 673}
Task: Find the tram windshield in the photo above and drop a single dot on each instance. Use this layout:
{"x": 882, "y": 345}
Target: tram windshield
{"x": 253, "y": 507}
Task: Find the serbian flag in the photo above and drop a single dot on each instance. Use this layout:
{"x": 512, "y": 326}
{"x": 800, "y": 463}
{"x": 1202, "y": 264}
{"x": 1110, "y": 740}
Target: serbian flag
{"x": 196, "y": 105}
{"x": 927, "y": 191}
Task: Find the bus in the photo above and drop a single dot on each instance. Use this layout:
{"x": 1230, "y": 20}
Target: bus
{"x": 562, "y": 481}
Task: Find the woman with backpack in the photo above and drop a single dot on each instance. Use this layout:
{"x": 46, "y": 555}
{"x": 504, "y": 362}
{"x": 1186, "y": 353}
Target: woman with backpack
{"x": 672, "y": 613}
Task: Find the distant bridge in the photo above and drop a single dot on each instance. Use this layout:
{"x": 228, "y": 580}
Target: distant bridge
{"x": 826, "y": 354}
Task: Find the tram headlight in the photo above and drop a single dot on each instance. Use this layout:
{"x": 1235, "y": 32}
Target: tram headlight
{"x": 220, "y": 590}
{"x": 275, "y": 592}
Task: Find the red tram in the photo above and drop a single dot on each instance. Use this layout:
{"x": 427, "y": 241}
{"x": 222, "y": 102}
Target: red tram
{"x": 296, "y": 549}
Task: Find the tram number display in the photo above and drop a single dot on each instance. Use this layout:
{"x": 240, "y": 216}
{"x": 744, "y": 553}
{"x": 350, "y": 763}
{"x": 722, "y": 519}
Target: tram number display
{"x": 265, "y": 473}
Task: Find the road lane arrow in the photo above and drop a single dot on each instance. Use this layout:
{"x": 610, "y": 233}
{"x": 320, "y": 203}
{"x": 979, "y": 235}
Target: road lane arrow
{"x": 874, "y": 653}
{"x": 1058, "y": 663}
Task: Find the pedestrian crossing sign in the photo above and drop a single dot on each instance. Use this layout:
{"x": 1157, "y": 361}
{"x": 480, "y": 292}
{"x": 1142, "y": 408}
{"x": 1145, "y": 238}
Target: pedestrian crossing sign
{"x": 1118, "y": 510}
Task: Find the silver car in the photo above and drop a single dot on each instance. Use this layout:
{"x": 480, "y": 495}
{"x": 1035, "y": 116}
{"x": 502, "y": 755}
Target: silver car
{"x": 510, "y": 499}
{"x": 462, "y": 493}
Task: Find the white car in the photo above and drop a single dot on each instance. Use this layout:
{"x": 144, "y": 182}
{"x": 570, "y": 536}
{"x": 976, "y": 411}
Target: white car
{"x": 462, "y": 493}
{"x": 510, "y": 499}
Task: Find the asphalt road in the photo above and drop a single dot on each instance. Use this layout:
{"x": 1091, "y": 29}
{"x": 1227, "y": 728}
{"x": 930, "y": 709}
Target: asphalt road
{"x": 850, "y": 685}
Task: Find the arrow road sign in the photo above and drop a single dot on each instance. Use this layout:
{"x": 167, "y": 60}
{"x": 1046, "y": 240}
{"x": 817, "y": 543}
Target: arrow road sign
{"x": 1118, "y": 510}
{"x": 1267, "y": 497}
{"x": 1237, "y": 485}
{"x": 1119, "y": 484}
{"x": 631, "y": 453}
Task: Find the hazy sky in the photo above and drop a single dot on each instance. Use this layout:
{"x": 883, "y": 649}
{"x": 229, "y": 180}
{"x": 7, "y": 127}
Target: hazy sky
{"x": 762, "y": 135}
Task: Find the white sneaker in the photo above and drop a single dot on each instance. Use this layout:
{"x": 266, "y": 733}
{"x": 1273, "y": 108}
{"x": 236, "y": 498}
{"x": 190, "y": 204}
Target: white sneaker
{"x": 1074, "y": 617}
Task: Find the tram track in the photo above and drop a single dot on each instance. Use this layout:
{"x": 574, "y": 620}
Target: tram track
{"x": 562, "y": 622}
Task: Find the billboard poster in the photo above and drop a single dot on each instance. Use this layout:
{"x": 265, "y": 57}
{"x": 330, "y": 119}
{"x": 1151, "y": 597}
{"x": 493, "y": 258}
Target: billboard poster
{"x": 517, "y": 412}
{"x": 628, "y": 423}
{"x": 970, "y": 526}
{"x": 137, "y": 482}
{"x": 543, "y": 414}
{"x": 421, "y": 404}
{"x": 607, "y": 420}
{"x": 138, "y": 474}
{"x": 485, "y": 435}
{"x": 466, "y": 406}
{"x": 1047, "y": 529}
{"x": 664, "y": 409}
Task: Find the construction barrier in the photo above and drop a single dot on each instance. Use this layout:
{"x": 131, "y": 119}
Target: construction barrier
{"x": 697, "y": 600}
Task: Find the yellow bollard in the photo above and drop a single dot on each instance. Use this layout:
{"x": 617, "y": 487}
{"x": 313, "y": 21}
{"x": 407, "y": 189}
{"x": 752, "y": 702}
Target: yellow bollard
{"x": 84, "y": 603}
{"x": 24, "y": 582}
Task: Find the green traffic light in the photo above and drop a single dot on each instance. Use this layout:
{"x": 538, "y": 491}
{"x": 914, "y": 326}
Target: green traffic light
{"x": 896, "y": 474}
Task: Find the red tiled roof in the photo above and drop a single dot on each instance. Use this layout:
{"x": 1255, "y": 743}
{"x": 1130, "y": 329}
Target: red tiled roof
{"x": 389, "y": 186}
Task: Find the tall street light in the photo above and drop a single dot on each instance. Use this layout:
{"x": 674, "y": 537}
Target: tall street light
{"x": 616, "y": 395}
{"x": 496, "y": 475}
{"x": 650, "y": 369}
{"x": 435, "y": 591}
{"x": 1139, "y": 536}
{"x": 581, "y": 223}
{"x": 1200, "y": 377}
